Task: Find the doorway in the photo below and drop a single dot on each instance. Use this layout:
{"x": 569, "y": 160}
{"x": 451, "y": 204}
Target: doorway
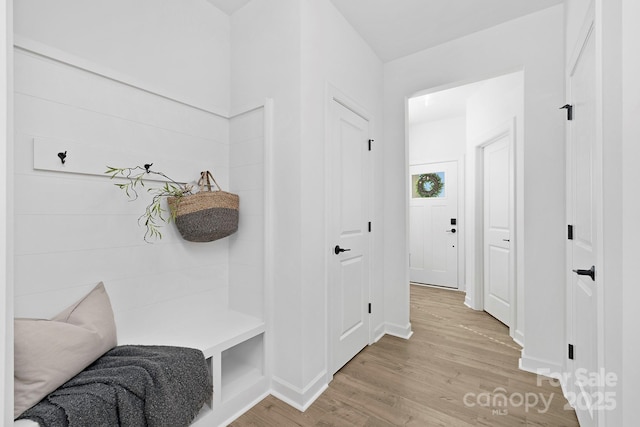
{"x": 349, "y": 197}
{"x": 455, "y": 124}
{"x": 584, "y": 291}
{"x": 498, "y": 218}
{"x": 433, "y": 216}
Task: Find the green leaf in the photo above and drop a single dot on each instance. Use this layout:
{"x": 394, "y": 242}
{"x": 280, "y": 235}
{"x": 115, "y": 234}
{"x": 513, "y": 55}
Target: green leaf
{"x": 154, "y": 211}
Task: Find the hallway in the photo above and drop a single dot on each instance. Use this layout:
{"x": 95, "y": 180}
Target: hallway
{"x": 448, "y": 374}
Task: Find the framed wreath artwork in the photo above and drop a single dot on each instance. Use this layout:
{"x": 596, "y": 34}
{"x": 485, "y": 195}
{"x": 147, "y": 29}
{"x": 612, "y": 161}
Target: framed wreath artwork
{"x": 428, "y": 185}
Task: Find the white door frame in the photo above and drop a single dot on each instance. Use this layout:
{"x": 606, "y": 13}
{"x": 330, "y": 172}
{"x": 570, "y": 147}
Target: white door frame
{"x": 6, "y": 213}
{"x": 506, "y": 129}
{"x": 335, "y": 95}
{"x": 588, "y": 30}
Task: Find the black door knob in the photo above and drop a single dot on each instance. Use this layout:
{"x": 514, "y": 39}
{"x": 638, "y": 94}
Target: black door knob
{"x": 338, "y": 249}
{"x": 453, "y": 230}
{"x": 590, "y": 272}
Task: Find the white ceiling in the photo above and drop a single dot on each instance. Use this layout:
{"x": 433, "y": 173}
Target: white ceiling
{"x": 228, "y": 6}
{"x": 396, "y": 28}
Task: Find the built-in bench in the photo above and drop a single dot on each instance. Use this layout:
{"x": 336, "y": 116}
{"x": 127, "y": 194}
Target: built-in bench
{"x": 232, "y": 343}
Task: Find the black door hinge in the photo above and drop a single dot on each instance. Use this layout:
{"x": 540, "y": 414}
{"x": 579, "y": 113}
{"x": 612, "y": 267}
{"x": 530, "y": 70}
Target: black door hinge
{"x": 571, "y": 351}
{"x": 569, "y": 108}
{"x": 570, "y": 232}
{"x": 370, "y": 141}
{"x": 369, "y": 226}
{"x": 369, "y": 308}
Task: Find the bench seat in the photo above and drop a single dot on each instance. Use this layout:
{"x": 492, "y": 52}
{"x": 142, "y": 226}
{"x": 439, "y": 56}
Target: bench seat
{"x": 187, "y": 322}
{"x": 232, "y": 343}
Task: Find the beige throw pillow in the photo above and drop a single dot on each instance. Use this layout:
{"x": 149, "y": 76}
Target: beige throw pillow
{"x": 49, "y": 353}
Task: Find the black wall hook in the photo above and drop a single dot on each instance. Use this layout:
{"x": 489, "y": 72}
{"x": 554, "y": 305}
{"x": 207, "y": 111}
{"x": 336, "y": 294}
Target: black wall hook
{"x": 569, "y": 109}
{"x": 148, "y": 166}
{"x": 62, "y": 156}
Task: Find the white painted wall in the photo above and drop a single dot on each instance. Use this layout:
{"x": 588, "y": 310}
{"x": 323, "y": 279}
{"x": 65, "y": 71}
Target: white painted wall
{"x": 609, "y": 73}
{"x": 6, "y": 213}
{"x": 180, "y": 49}
{"x": 246, "y": 246}
{"x": 341, "y": 59}
{"x": 80, "y": 229}
{"x": 438, "y": 141}
{"x": 282, "y": 50}
{"x": 265, "y": 59}
{"x": 498, "y": 101}
{"x": 630, "y": 369}
{"x": 530, "y": 43}
{"x": 576, "y": 13}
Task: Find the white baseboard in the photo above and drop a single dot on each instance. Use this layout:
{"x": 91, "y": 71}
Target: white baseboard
{"x": 519, "y": 338}
{"x": 299, "y": 398}
{"x": 378, "y": 333}
{"x": 539, "y": 366}
{"x": 546, "y": 371}
{"x": 398, "y": 331}
{"x": 469, "y": 303}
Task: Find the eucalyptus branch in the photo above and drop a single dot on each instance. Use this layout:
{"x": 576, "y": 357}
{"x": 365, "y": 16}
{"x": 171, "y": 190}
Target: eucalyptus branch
{"x": 134, "y": 180}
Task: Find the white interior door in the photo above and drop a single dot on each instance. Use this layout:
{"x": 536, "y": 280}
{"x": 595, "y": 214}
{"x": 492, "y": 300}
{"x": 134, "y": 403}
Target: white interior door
{"x": 433, "y": 216}
{"x": 498, "y": 224}
{"x": 583, "y": 215}
{"x": 349, "y": 190}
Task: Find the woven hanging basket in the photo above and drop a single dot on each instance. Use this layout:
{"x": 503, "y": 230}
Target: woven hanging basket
{"x": 207, "y": 215}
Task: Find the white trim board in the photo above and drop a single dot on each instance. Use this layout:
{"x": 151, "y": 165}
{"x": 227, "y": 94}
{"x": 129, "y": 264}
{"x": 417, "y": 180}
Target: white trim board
{"x": 268, "y": 254}
{"x": 301, "y": 399}
{"x": 60, "y": 56}
{"x": 398, "y": 331}
{"x": 539, "y": 366}
{"x": 82, "y": 158}
{"x": 6, "y": 214}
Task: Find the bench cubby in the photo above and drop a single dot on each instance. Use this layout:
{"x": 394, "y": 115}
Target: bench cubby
{"x": 232, "y": 342}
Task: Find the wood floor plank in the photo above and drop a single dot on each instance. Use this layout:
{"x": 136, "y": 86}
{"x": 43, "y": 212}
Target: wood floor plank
{"x": 460, "y": 368}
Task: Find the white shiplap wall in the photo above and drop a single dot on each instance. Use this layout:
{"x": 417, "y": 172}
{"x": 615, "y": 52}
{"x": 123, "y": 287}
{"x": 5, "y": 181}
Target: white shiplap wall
{"x": 72, "y": 230}
{"x": 247, "y": 179}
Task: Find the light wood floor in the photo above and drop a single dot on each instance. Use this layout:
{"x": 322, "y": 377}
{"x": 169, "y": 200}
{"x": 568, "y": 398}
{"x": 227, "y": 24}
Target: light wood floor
{"x": 454, "y": 352}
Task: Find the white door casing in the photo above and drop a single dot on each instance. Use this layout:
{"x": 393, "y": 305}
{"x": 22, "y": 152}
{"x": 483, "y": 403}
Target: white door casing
{"x": 583, "y": 205}
{"x": 349, "y": 195}
{"x": 433, "y": 239}
{"x": 497, "y": 231}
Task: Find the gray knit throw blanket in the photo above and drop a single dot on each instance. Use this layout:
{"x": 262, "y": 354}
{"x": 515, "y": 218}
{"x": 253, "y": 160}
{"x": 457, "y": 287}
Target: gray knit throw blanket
{"x": 132, "y": 386}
